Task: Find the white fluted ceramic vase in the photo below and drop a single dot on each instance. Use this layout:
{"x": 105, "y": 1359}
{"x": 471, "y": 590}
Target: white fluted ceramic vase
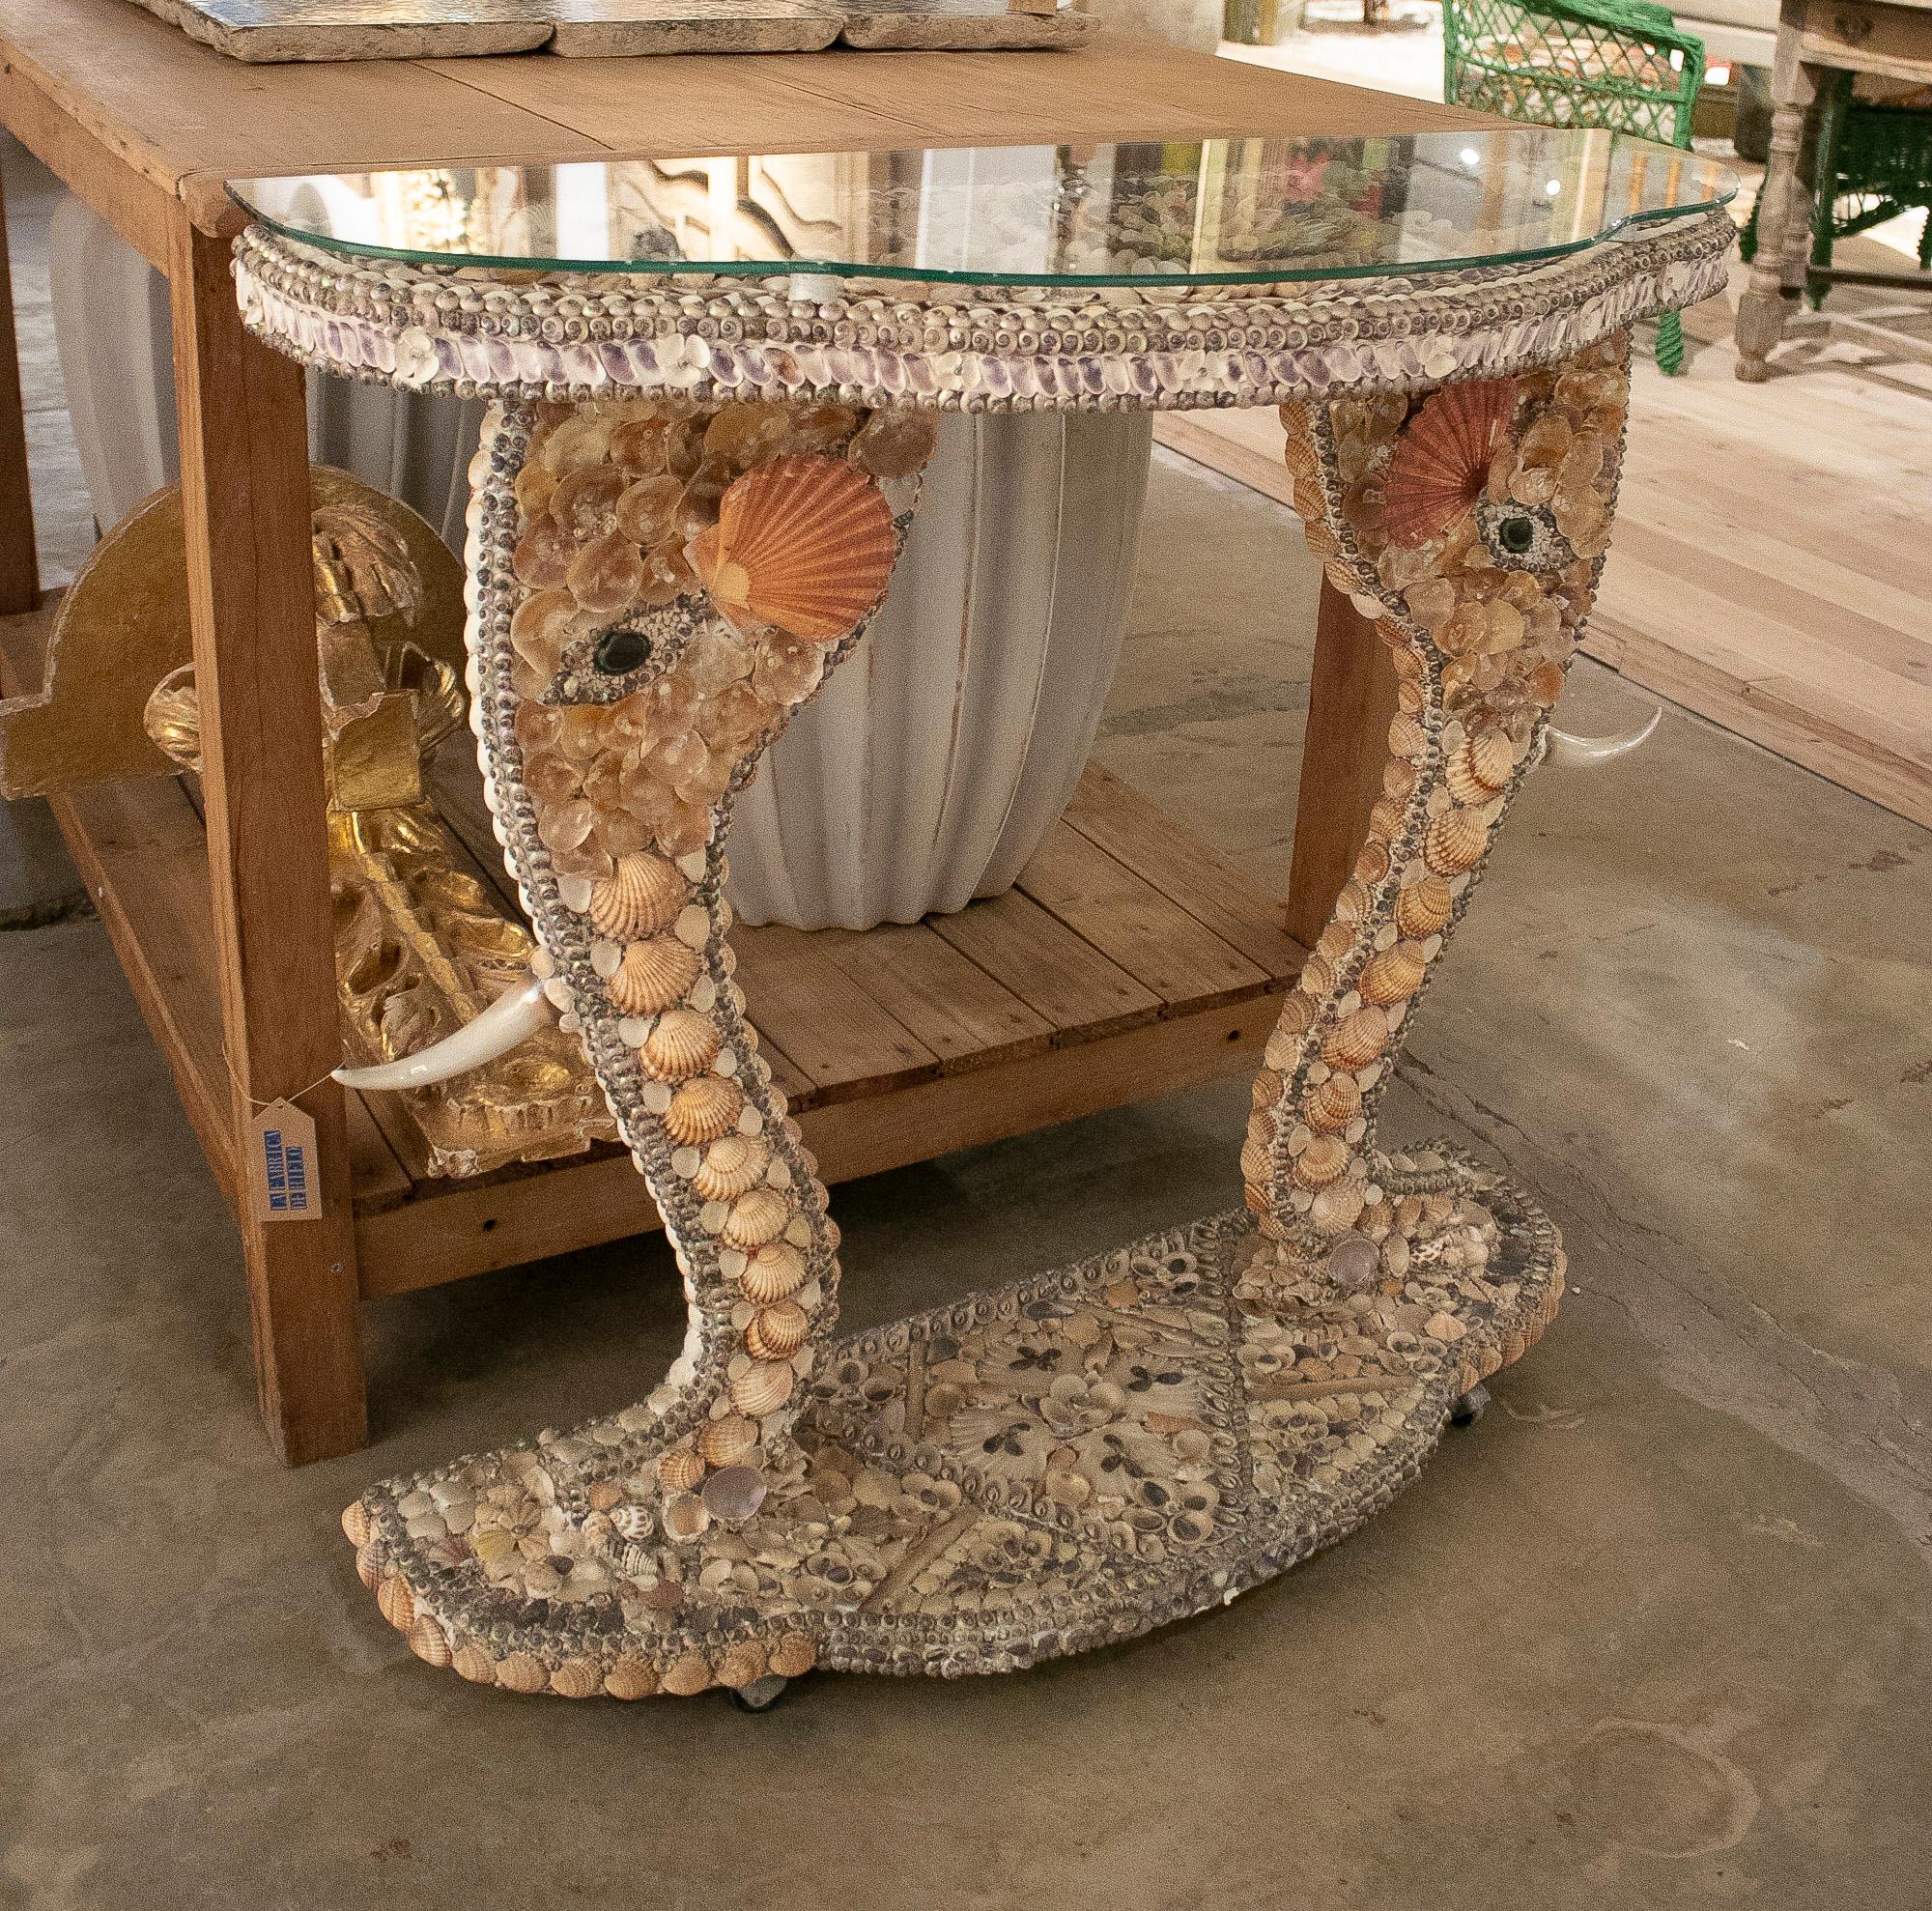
{"x": 936, "y": 761}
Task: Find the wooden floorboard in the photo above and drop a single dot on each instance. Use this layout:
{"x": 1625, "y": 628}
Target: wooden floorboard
{"x": 1773, "y": 564}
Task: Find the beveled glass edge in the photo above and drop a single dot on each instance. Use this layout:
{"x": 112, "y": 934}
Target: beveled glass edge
{"x": 847, "y": 272}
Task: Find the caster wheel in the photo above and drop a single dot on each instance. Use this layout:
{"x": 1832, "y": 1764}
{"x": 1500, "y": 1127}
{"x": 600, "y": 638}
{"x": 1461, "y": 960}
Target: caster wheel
{"x": 1472, "y": 1407}
{"x": 761, "y": 1695}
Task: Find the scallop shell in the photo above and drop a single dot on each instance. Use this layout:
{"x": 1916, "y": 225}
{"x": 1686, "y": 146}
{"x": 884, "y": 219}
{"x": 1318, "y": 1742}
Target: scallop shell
{"x": 762, "y": 1389}
{"x": 703, "y": 1109}
{"x": 1332, "y": 1105}
{"x": 427, "y": 1640}
{"x": 777, "y": 1333}
{"x": 577, "y": 1678}
{"x": 757, "y": 1216}
{"x": 683, "y": 1044}
{"x": 1454, "y": 842}
{"x": 1394, "y": 974}
{"x": 1424, "y": 908}
{"x": 652, "y": 975}
{"x": 680, "y": 1470}
{"x": 644, "y": 896}
{"x": 775, "y": 1271}
{"x": 1441, "y": 462}
{"x": 631, "y": 1677}
{"x": 731, "y": 1165}
{"x": 804, "y": 544}
{"x": 396, "y": 1603}
{"x": 727, "y": 1439}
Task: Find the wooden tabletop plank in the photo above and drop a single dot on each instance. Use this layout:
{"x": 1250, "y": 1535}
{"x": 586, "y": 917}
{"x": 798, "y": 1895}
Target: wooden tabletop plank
{"x": 833, "y": 1032}
{"x": 172, "y": 110}
{"x": 1116, "y": 817}
{"x": 1057, "y": 974}
{"x": 945, "y": 998}
{"x": 182, "y": 117}
{"x": 1130, "y": 922}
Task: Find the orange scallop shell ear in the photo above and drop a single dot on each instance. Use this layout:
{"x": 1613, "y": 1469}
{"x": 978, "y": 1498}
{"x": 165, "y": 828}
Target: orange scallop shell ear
{"x": 1441, "y": 462}
{"x": 803, "y": 544}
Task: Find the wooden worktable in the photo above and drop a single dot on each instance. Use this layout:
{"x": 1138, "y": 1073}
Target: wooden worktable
{"x": 145, "y": 125}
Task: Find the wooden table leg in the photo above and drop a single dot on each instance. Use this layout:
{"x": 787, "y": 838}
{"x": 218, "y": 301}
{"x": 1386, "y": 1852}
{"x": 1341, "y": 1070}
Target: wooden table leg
{"x": 19, "y": 568}
{"x": 1350, "y": 700}
{"x": 1784, "y": 206}
{"x": 245, "y": 499}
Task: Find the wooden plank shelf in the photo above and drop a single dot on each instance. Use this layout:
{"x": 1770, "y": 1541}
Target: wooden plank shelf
{"x": 1129, "y": 961}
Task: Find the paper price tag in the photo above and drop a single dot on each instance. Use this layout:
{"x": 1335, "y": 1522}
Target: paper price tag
{"x": 282, "y": 1181}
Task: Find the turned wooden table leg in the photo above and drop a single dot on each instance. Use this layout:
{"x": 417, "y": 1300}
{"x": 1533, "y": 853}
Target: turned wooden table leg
{"x": 245, "y": 500}
{"x": 1350, "y": 700}
{"x": 19, "y": 568}
{"x": 1784, "y": 206}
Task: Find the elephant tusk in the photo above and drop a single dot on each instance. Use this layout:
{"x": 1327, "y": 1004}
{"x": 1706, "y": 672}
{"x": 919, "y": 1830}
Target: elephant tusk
{"x": 518, "y": 1013}
{"x": 1563, "y": 747}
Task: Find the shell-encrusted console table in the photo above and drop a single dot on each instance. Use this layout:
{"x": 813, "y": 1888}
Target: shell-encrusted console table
{"x": 689, "y": 498}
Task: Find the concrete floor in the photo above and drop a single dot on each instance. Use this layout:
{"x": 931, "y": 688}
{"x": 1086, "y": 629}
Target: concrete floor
{"x": 1654, "y": 1634}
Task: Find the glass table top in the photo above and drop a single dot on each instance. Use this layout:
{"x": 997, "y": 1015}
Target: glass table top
{"x": 1200, "y": 212}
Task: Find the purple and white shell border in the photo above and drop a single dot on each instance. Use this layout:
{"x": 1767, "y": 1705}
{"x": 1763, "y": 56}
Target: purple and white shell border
{"x": 575, "y": 337}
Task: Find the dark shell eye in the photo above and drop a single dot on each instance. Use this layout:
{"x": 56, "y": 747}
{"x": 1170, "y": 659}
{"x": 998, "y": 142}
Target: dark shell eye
{"x": 619, "y": 653}
{"x": 1517, "y": 534}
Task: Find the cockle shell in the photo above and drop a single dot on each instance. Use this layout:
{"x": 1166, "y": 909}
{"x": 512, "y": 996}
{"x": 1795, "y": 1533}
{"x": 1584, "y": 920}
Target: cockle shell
{"x": 727, "y": 1439}
{"x": 761, "y": 1215}
{"x": 643, "y": 897}
{"x": 1454, "y": 842}
{"x": 684, "y": 1677}
{"x": 652, "y": 975}
{"x": 804, "y": 544}
{"x": 631, "y": 1678}
{"x": 731, "y": 1165}
{"x": 427, "y": 1640}
{"x": 777, "y": 1332}
{"x": 1424, "y": 908}
{"x": 680, "y": 1470}
{"x": 1324, "y": 1160}
{"x": 1357, "y": 1040}
{"x": 577, "y": 1678}
{"x": 1332, "y": 1105}
{"x": 681, "y": 1044}
{"x": 685, "y": 1516}
{"x": 523, "y": 1672}
{"x": 775, "y": 1271}
{"x": 741, "y": 1663}
{"x": 1394, "y": 974}
{"x": 396, "y": 1603}
{"x": 703, "y": 1109}
{"x": 794, "y": 1655}
{"x": 762, "y": 1389}
{"x": 471, "y": 1661}
{"x": 1441, "y": 462}
{"x": 1481, "y": 768}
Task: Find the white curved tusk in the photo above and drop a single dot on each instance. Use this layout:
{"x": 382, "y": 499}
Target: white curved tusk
{"x": 1563, "y": 747}
{"x": 518, "y": 1013}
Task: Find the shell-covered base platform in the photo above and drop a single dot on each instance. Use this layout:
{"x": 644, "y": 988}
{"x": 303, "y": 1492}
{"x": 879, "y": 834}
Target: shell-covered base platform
{"x": 1055, "y": 1466}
